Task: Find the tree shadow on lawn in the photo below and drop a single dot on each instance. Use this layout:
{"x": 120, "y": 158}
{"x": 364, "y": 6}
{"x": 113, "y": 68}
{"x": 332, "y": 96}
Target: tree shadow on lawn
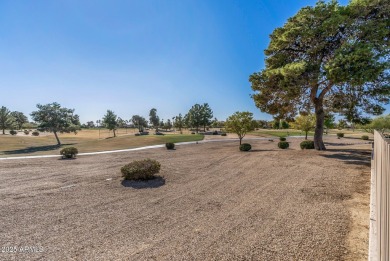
{"x": 142, "y": 184}
{"x": 349, "y": 156}
{"x": 29, "y": 150}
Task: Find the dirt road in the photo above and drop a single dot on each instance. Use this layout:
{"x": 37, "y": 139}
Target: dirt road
{"x": 214, "y": 203}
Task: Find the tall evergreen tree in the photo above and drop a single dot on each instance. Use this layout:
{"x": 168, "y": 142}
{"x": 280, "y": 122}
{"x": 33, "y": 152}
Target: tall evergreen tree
{"x": 319, "y": 54}
{"x": 195, "y": 117}
{"x": 206, "y": 115}
{"x": 6, "y": 119}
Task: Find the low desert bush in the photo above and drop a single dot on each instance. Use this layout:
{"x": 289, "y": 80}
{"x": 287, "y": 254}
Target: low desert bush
{"x": 245, "y": 147}
{"x": 340, "y": 135}
{"x": 192, "y": 132}
{"x": 282, "y": 139}
{"x": 141, "y": 169}
{"x": 69, "y": 152}
{"x": 35, "y": 133}
{"x": 364, "y": 137}
{"x": 307, "y": 144}
{"x": 215, "y": 132}
{"x": 13, "y": 132}
{"x": 26, "y": 132}
{"x": 283, "y": 144}
{"x": 223, "y": 134}
{"x": 170, "y": 145}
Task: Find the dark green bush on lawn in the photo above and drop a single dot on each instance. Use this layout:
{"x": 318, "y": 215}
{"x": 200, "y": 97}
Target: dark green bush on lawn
{"x": 364, "y": 137}
{"x": 69, "y": 152}
{"x": 245, "y": 147}
{"x": 13, "y": 132}
{"x": 35, "y": 133}
{"x": 307, "y": 144}
{"x": 340, "y": 135}
{"x": 283, "y": 144}
{"x": 223, "y": 134}
{"x": 26, "y": 132}
{"x": 282, "y": 139}
{"x": 141, "y": 169}
{"x": 170, "y": 145}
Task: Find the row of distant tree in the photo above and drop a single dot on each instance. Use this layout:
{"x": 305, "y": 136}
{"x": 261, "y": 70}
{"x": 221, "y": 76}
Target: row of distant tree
{"x": 199, "y": 116}
{"x": 54, "y": 118}
{"x": 12, "y": 119}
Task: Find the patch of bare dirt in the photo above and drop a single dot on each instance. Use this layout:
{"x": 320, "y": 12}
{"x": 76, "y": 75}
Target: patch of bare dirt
{"x": 213, "y": 203}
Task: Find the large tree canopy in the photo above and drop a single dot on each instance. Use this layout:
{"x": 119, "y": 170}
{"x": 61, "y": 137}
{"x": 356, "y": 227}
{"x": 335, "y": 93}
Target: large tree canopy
{"x": 304, "y": 123}
{"x": 322, "y": 55}
{"x": 240, "y": 123}
{"x": 140, "y": 122}
{"x": 199, "y": 115}
{"x": 54, "y": 118}
{"x": 19, "y": 119}
{"x": 153, "y": 118}
{"x": 110, "y": 121}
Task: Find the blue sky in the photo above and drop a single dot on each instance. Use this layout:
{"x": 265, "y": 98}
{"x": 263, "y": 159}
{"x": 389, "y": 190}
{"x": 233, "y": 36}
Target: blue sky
{"x": 131, "y": 56}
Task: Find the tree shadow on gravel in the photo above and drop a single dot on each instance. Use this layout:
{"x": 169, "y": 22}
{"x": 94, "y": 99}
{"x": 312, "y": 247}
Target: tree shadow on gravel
{"x": 345, "y": 144}
{"x": 258, "y": 150}
{"x": 35, "y": 149}
{"x": 353, "y": 157}
{"x": 142, "y": 184}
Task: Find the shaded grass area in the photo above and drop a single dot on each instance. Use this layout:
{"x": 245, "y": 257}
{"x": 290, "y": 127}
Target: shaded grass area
{"x": 357, "y": 134}
{"x": 279, "y": 133}
{"x": 43, "y": 145}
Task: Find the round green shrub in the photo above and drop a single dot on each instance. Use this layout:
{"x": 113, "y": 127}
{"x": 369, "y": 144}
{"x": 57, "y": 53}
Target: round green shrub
{"x": 223, "y": 134}
{"x": 282, "y": 138}
{"x": 141, "y": 169}
{"x": 340, "y": 135}
{"x": 69, "y": 152}
{"x": 364, "y": 137}
{"x": 245, "y": 147}
{"x": 35, "y": 133}
{"x": 170, "y": 145}
{"x": 307, "y": 144}
{"x": 26, "y": 132}
{"x": 283, "y": 144}
{"x": 13, "y": 132}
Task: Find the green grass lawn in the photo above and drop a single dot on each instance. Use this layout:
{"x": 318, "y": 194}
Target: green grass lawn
{"x": 84, "y": 142}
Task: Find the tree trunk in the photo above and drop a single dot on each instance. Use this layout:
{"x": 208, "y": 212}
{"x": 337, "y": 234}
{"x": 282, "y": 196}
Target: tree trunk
{"x": 58, "y": 140}
{"x": 319, "y": 130}
{"x": 240, "y": 139}
{"x": 3, "y": 131}
{"x": 306, "y": 136}
{"x": 114, "y": 132}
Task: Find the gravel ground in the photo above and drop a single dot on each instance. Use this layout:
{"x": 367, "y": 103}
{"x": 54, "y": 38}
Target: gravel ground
{"x": 213, "y": 203}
